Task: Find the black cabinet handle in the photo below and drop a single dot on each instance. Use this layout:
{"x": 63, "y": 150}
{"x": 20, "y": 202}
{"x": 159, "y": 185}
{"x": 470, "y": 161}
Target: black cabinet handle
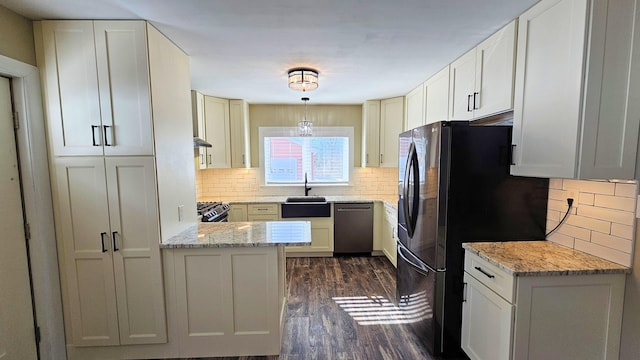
{"x": 513, "y": 154}
{"x": 475, "y": 95}
{"x": 102, "y": 234}
{"x": 201, "y": 159}
{"x": 484, "y": 272}
{"x": 464, "y": 292}
{"x": 210, "y": 163}
{"x": 468, "y": 103}
{"x": 93, "y": 134}
{"x": 106, "y": 142}
{"x": 115, "y": 243}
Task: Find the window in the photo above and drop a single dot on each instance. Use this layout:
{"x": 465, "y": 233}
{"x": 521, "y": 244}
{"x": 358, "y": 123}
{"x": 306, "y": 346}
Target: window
{"x": 325, "y": 157}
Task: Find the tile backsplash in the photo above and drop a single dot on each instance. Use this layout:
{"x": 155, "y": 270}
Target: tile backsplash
{"x": 235, "y": 184}
{"x": 602, "y": 220}
{"x": 601, "y": 223}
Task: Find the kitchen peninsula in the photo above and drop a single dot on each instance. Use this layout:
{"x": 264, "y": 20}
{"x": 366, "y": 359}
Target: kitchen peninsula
{"x": 225, "y": 284}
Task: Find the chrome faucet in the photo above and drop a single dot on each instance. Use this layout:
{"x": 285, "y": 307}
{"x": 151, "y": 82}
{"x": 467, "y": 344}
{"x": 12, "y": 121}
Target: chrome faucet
{"x": 306, "y": 187}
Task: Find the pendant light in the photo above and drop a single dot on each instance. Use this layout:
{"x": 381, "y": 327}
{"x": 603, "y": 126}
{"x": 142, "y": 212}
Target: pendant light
{"x": 305, "y": 127}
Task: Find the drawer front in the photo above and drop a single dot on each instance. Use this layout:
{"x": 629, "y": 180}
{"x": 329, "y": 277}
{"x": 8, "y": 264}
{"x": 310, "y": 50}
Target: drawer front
{"x": 490, "y": 275}
{"x": 262, "y": 209}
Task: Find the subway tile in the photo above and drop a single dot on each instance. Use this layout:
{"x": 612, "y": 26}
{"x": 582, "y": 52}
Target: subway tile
{"x": 589, "y": 223}
{"x": 574, "y": 231}
{"x": 615, "y": 202}
{"x": 614, "y": 242}
{"x": 616, "y": 256}
{"x": 617, "y": 216}
{"x": 586, "y": 198}
{"x": 626, "y": 190}
{"x": 596, "y": 187}
{"x": 561, "y": 239}
{"x": 623, "y": 231}
{"x": 558, "y": 205}
{"x": 555, "y": 184}
{"x": 557, "y": 194}
{"x": 554, "y": 215}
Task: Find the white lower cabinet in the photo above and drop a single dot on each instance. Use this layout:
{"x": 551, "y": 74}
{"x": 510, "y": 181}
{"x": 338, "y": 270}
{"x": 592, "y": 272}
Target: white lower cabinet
{"x": 238, "y": 212}
{"x": 228, "y": 301}
{"x": 263, "y": 212}
{"x": 540, "y": 317}
{"x": 487, "y": 322}
{"x": 390, "y": 234}
{"x": 109, "y": 234}
{"x": 321, "y": 238}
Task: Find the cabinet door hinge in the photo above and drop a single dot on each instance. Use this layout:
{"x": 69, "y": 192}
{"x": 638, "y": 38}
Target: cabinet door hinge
{"x": 27, "y": 231}
{"x": 16, "y": 122}
{"x": 37, "y": 333}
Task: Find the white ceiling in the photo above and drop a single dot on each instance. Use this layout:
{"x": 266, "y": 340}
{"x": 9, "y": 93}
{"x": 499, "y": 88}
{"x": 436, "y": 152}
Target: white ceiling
{"x": 363, "y": 49}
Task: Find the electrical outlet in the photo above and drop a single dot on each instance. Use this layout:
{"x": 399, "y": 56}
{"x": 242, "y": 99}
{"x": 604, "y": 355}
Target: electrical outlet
{"x": 180, "y": 213}
{"x": 573, "y": 194}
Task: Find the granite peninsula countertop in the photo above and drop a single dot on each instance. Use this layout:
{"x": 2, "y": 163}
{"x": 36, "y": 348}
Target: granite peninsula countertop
{"x": 542, "y": 258}
{"x": 242, "y": 234}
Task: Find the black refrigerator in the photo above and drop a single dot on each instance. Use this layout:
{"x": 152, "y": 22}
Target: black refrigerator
{"x": 454, "y": 187}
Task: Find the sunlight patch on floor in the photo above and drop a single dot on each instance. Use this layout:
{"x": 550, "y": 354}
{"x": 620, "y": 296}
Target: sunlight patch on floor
{"x": 378, "y": 310}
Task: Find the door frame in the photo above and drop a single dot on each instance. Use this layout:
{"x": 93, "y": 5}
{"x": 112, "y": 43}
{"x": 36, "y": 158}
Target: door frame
{"x": 38, "y": 205}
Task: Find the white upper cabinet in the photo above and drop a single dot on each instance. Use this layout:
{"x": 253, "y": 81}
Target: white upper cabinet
{"x": 414, "y": 108}
{"x": 96, "y": 78}
{"x": 462, "y": 86}
{"x": 371, "y": 133}
{"x": 576, "y": 90}
{"x": 436, "y": 90}
{"x": 391, "y": 120}
{"x": 197, "y": 104}
{"x": 239, "y": 123}
{"x": 381, "y": 124}
{"x": 218, "y": 132}
{"x": 481, "y": 81}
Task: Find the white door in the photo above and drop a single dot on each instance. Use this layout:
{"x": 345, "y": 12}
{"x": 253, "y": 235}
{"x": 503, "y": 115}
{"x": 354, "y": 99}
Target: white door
{"x": 85, "y": 233}
{"x": 17, "y": 339}
{"x": 125, "y": 99}
{"x": 71, "y": 86}
{"x": 548, "y": 88}
{"x": 218, "y": 132}
{"x": 462, "y": 86}
{"x": 436, "y": 89}
{"x": 486, "y": 323}
{"x": 135, "y": 238}
{"x": 391, "y": 121}
{"x": 495, "y": 66}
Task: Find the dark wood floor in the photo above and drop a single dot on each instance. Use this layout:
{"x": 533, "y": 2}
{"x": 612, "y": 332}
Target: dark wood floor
{"x": 325, "y": 318}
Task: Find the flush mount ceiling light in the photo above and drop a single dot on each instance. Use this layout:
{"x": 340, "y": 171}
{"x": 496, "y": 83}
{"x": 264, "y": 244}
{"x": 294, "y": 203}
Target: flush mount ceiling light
{"x": 305, "y": 127}
{"x": 303, "y": 79}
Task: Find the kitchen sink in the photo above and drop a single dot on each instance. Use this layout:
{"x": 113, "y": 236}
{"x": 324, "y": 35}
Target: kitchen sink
{"x": 307, "y": 199}
{"x": 305, "y": 207}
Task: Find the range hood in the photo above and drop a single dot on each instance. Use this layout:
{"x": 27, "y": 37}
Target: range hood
{"x": 198, "y": 142}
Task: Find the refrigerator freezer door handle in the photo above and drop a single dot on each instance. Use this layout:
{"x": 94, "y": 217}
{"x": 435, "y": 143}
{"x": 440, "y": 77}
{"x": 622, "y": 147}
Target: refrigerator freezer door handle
{"x": 422, "y": 269}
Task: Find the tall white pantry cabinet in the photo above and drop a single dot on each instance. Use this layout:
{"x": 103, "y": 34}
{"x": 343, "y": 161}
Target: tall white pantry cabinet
{"x": 119, "y": 176}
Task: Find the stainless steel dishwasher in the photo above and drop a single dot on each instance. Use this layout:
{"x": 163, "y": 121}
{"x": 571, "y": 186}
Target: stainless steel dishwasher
{"x": 353, "y": 228}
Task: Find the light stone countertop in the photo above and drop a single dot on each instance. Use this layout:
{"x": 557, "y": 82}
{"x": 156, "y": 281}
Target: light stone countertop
{"x": 331, "y": 199}
{"x": 242, "y": 234}
{"x": 542, "y": 258}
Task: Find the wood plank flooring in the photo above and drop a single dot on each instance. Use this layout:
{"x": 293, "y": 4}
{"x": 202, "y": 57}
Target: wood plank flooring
{"x": 325, "y": 320}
